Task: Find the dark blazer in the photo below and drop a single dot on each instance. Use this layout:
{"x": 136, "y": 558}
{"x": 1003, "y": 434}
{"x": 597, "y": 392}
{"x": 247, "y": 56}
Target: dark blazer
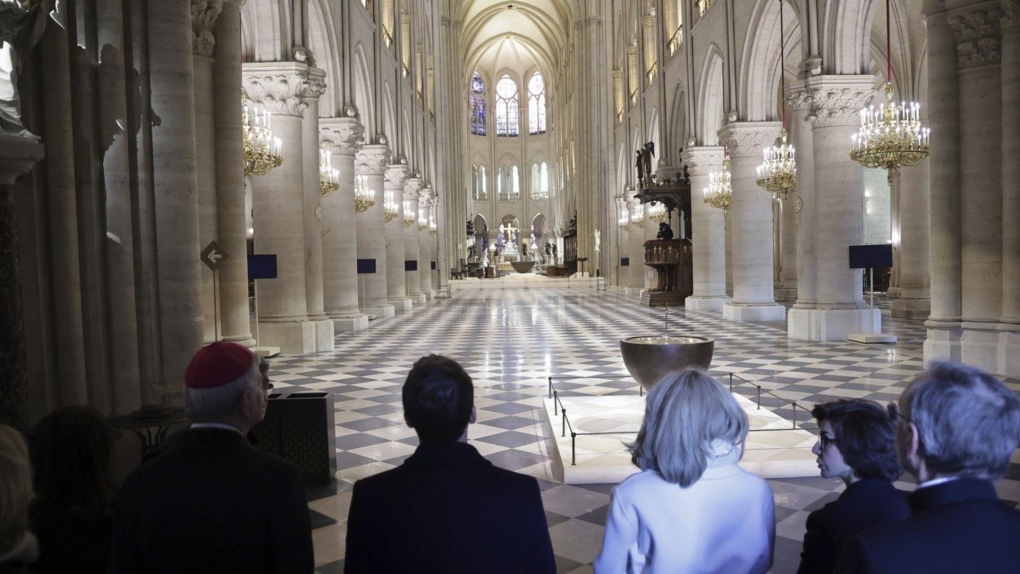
{"x": 70, "y": 543}
{"x": 447, "y": 509}
{"x": 209, "y": 502}
{"x": 865, "y": 503}
{"x": 957, "y": 526}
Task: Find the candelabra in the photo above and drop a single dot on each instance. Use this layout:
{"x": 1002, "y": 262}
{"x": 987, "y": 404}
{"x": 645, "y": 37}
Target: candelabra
{"x": 637, "y": 215}
{"x": 423, "y": 221}
{"x": 657, "y": 212}
{"x": 890, "y": 136}
{"x": 778, "y": 173}
{"x": 624, "y": 220}
{"x": 408, "y": 214}
{"x": 262, "y": 151}
{"x": 364, "y": 197}
{"x": 390, "y": 207}
{"x": 432, "y": 225}
{"x": 719, "y": 193}
{"x": 329, "y": 176}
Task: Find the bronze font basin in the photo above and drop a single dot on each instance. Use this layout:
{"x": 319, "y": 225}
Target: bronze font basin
{"x": 649, "y": 358}
{"x": 522, "y": 266}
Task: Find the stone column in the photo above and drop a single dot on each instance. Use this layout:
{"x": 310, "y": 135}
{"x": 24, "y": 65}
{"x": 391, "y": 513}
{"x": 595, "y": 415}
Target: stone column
{"x": 17, "y": 156}
{"x": 912, "y": 249}
{"x": 751, "y": 222}
{"x": 636, "y": 248}
{"x": 944, "y": 328}
{"x": 342, "y": 137}
{"x": 203, "y": 17}
{"x": 278, "y": 205}
{"x": 1009, "y": 341}
{"x": 371, "y": 162}
{"x": 235, "y": 321}
{"x": 174, "y": 177}
{"x": 125, "y": 376}
{"x": 396, "y": 277}
{"x": 787, "y": 290}
{"x": 412, "y": 250}
{"x": 837, "y": 209}
{"x": 315, "y": 85}
{"x": 800, "y": 102}
{"x": 425, "y": 251}
{"x": 708, "y": 233}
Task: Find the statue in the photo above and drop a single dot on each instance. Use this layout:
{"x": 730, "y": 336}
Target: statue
{"x": 21, "y": 27}
{"x": 648, "y": 153}
{"x": 665, "y": 231}
{"x": 639, "y": 163}
{"x": 598, "y": 241}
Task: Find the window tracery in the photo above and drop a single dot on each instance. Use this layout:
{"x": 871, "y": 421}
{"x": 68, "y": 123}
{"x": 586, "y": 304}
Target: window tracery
{"x": 477, "y": 105}
{"x": 536, "y": 104}
{"x": 507, "y": 119}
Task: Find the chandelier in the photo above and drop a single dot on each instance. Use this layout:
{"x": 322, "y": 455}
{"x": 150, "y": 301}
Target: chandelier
{"x": 719, "y": 193}
{"x": 637, "y": 215}
{"x": 778, "y": 173}
{"x": 364, "y": 197}
{"x": 329, "y": 176}
{"x": 657, "y": 212}
{"x": 890, "y": 136}
{"x": 624, "y": 220}
{"x": 390, "y": 207}
{"x": 423, "y": 221}
{"x": 262, "y": 151}
{"x": 408, "y": 214}
{"x": 432, "y": 225}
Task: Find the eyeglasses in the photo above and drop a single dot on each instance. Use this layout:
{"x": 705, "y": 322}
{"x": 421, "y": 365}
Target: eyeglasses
{"x": 894, "y": 412}
{"x": 826, "y": 441}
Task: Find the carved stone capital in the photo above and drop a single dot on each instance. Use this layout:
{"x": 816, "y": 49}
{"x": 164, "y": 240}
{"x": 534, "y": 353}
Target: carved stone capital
{"x": 799, "y": 97}
{"x": 1010, "y": 14}
{"x": 396, "y": 175}
{"x": 702, "y": 160}
{"x": 277, "y": 86}
{"x": 837, "y": 100}
{"x": 978, "y": 37}
{"x": 412, "y": 187}
{"x": 372, "y": 159}
{"x": 342, "y": 136}
{"x": 747, "y": 139}
{"x": 203, "y": 17}
{"x": 315, "y": 83}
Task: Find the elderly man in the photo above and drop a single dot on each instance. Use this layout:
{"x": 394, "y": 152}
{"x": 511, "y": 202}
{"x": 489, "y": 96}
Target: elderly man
{"x": 446, "y": 509}
{"x": 957, "y": 429}
{"x": 209, "y": 502}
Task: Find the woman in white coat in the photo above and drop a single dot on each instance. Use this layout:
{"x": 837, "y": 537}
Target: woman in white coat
{"x": 692, "y": 509}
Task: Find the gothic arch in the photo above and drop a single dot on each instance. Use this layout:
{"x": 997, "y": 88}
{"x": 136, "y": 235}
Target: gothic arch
{"x": 322, "y": 35}
{"x": 759, "y": 74}
{"x": 848, "y": 35}
{"x": 363, "y": 93}
{"x": 711, "y": 103}
{"x": 676, "y": 125}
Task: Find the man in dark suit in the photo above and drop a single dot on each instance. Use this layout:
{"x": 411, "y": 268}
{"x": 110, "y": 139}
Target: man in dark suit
{"x": 446, "y": 509}
{"x": 208, "y": 501}
{"x": 957, "y": 429}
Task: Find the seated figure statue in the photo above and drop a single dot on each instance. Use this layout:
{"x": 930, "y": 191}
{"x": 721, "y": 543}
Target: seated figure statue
{"x": 21, "y": 27}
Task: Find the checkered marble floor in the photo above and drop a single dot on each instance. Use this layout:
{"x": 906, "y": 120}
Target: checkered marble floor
{"x": 511, "y": 340}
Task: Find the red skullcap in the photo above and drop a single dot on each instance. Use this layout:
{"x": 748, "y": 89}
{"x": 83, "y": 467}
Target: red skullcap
{"x": 217, "y": 364}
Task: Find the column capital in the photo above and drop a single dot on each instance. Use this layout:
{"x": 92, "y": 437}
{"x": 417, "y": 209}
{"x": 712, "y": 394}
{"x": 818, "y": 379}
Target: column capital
{"x": 315, "y": 83}
{"x": 747, "y": 139}
{"x": 978, "y": 36}
{"x": 832, "y": 100}
{"x": 17, "y": 156}
{"x": 1010, "y": 14}
{"x": 412, "y": 187}
{"x": 396, "y": 175}
{"x": 278, "y": 86}
{"x": 342, "y": 136}
{"x": 372, "y": 159}
{"x": 203, "y": 18}
{"x": 703, "y": 160}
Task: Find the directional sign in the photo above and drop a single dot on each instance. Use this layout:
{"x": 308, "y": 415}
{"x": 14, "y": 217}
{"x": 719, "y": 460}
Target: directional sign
{"x": 213, "y": 255}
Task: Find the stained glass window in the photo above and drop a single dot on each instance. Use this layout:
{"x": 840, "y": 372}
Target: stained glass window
{"x": 477, "y": 105}
{"x": 506, "y": 107}
{"x": 536, "y": 104}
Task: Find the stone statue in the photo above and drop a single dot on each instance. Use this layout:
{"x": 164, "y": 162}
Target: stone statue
{"x": 639, "y": 163}
{"x": 598, "y": 241}
{"x": 21, "y": 27}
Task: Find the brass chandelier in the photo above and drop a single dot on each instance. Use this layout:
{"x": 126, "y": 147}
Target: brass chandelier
{"x": 262, "y": 151}
{"x": 364, "y": 196}
{"x": 657, "y": 212}
{"x": 778, "y": 173}
{"x": 719, "y": 193}
{"x": 890, "y": 136}
{"x": 408, "y": 214}
{"x": 329, "y": 176}
{"x": 390, "y": 207}
{"x": 624, "y": 221}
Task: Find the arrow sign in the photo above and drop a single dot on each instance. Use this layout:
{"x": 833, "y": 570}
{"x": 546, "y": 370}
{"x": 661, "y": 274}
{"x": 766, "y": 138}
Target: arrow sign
{"x": 213, "y": 255}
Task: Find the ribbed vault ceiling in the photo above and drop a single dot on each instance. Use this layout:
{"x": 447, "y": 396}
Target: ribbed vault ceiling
{"x": 516, "y": 35}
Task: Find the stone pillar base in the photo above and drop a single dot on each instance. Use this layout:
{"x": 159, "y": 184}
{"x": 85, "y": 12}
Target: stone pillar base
{"x": 832, "y": 324}
{"x": 244, "y": 342}
{"x": 661, "y": 298}
{"x": 910, "y": 308}
{"x": 324, "y": 335}
{"x": 633, "y": 290}
{"x": 400, "y": 303}
{"x": 943, "y": 340}
{"x": 380, "y": 310}
{"x": 748, "y": 312}
{"x": 429, "y": 294}
{"x": 417, "y": 299}
{"x": 292, "y": 337}
{"x": 893, "y": 292}
{"x": 1009, "y": 350}
{"x": 693, "y": 303}
{"x": 786, "y": 293}
{"x": 349, "y": 324}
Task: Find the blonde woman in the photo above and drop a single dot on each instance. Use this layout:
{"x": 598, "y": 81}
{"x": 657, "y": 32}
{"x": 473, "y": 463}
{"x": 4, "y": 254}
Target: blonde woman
{"x": 691, "y": 509}
{"x": 17, "y": 545}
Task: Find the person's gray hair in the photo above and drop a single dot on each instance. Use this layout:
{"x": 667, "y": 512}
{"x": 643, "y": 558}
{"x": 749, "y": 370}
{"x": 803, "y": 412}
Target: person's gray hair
{"x": 968, "y": 422}
{"x": 219, "y": 404}
{"x": 684, "y": 414}
{"x": 15, "y": 487}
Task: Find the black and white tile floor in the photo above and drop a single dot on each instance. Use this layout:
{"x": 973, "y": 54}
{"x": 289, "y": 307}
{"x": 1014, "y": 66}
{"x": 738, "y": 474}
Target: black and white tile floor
{"x": 512, "y": 340}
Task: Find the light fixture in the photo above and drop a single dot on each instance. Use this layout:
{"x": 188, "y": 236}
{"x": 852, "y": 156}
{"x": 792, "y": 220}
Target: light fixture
{"x": 624, "y": 220}
{"x": 778, "y": 173}
{"x": 719, "y": 193}
{"x": 364, "y": 197}
{"x": 890, "y": 136}
{"x": 432, "y": 225}
{"x": 637, "y": 215}
{"x": 423, "y": 221}
{"x": 262, "y": 151}
{"x": 329, "y": 176}
{"x": 408, "y": 214}
{"x": 657, "y": 212}
{"x": 390, "y": 206}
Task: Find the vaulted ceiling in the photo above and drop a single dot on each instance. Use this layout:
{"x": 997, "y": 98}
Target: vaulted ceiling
{"x": 517, "y": 35}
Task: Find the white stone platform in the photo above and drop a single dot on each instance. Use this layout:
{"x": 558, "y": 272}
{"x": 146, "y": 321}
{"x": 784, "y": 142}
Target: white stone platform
{"x": 773, "y": 448}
